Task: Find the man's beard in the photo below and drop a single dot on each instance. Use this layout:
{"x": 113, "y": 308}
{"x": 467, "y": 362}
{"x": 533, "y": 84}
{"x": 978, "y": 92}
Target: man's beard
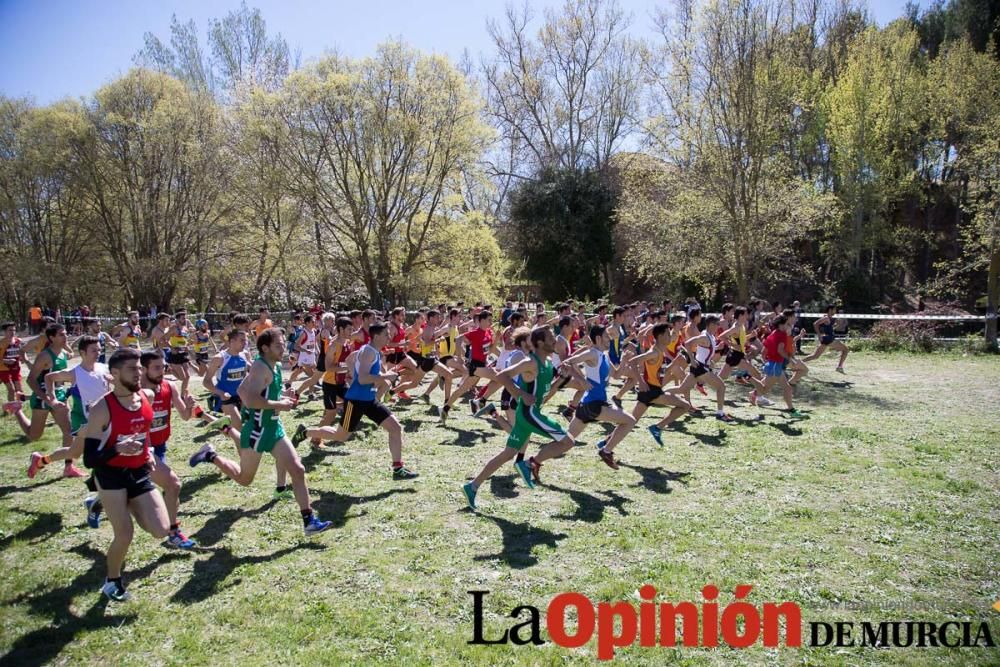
{"x": 154, "y": 381}
{"x": 131, "y": 387}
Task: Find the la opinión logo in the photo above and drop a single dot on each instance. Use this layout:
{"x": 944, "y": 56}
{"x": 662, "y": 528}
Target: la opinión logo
{"x": 738, "y": 624}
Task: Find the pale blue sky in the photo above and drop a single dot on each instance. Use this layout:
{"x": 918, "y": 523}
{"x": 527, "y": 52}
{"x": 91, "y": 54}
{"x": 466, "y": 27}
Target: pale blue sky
{"x": 51, "y": 49}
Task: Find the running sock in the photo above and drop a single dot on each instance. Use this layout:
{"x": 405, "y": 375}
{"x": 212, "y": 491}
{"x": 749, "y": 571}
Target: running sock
{"x": 117, "y": 581}
{"x": 174, "y": 527}
{"x": 396, "y": 465}
{"x": 279, "y": 489}
{"x": 307, "y": 516}
{"x": 210, "y": 457}
{"x": 519, "y": 457}
{"x": 197, "y": 411}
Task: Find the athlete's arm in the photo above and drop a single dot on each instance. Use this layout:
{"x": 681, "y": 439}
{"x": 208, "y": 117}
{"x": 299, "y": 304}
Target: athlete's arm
{"x": 208, "y": 382}
{"x": 526, "y": 369}
{"x": 583, "y": 356}
{"x": 42, "y": 363}
{"x": 817, "y": 324}
{"x": 184, "y": 406}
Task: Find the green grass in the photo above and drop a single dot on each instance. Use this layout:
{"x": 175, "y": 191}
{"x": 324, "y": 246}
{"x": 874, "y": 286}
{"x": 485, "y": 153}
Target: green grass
{"x": 881, "y": 505}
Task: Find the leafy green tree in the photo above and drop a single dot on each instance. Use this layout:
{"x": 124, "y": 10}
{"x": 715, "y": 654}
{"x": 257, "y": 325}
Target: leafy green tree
{"x": 562, "y": 223}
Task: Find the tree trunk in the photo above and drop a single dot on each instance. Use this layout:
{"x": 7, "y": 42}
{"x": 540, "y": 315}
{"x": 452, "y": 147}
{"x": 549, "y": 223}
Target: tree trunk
{"x": 993, "y": 283}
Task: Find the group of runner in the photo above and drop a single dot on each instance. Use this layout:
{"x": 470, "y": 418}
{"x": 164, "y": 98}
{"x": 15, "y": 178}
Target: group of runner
{"x": 114, "y": 407}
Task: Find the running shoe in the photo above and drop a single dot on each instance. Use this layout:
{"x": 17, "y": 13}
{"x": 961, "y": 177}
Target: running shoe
{"x": 299, "y": 435}
{"x": 701, "y": 389}
{"x": 608, "y": 458}
{"x": 470, "y": 494}
{"x": 617, "y": 401}
{"x": 402, "y": 395}
{"x": 525, "y": 470}
{"x": 795, "y": 414}
{"x": 115, "y": 591}
{"x": 657, "y": 434}
{"x": 72, "y": 472}
{"x": 12, "y": 407}
{"x": 601, "y": 443}
{"x": 487, "y": 409}
{"x": 425, "y": 398}
{"x": 220, "y": 423}
{"x": 285, "y": 494}
{"x": 444, "y": 415}
{"x": 178, "y": 540}
{"x": 35, "y": 465}
{"x": 202, "y": 455}
{"x": 839, "y": 369}
{"x": 723, "y": 417}
{"x": 764, "y": 401}
{"x": 402, "y": 472}
{"x": 93, "y": 506}
{"x": 316, "y": 526}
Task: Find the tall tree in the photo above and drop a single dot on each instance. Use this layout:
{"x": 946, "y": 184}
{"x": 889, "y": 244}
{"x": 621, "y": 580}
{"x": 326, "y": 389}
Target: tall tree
{"x": 156, "y": 180}
{"x": 377, "y": 147}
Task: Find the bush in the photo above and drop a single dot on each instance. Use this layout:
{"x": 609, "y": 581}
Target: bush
{"x": 976, "y": 344}
{"x": 907, "y": 335}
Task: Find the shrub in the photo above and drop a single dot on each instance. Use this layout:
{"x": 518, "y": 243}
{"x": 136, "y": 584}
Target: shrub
{"x": 908, "y": 335}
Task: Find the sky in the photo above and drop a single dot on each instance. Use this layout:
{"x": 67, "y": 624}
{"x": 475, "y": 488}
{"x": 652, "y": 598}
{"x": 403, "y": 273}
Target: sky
{"x": 50, "y": 49}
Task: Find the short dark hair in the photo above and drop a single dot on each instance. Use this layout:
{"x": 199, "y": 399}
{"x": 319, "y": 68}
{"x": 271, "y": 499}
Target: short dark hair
{"x": 565, "y": 321}
{"x": 377, "y": 328}
{"x": 538, "y": 335}
{"x": 367, "y": 313}
{"x": 660, "y": 329}
{"x": 7, "y": 325}
{"x": 83, "y": 342}
{"x": 54, "y": 329}
{"x": 121, "y": 356}
{"x": 596, "y": 331}
{"x": 343, "y": 323}
{"x": 739, "y": 310}
{"x": 149, "y": 357}
{"x": 694, "y": 312}
{"x": 711, "y": 319}
{"x": 268, "y": 337}
{"x": 484, "y": 315}
{"x": 240, "y": 319}
{"x": 617, "y": 311}
{"x": 234, "y": 333}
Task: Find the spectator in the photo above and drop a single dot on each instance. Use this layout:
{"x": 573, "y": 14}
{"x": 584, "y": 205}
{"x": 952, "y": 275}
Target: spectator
{"x": 35, "y": 319}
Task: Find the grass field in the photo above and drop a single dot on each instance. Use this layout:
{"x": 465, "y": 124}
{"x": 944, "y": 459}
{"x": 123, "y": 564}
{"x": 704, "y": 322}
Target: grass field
{"x": 883, "y": 504}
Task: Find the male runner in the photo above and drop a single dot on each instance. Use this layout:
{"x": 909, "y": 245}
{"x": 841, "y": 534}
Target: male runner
{"x": 11, "y": 356}
{"x": 362, "y": 401}
{"x": 824, "y": 330}
{"x": 116, "y": 447}
{"x": 262, "y": 431}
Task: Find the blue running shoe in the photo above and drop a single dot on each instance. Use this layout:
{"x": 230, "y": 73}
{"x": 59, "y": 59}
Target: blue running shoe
{"x": 203, "y": 455}
{"x": 470, "y": 494}
{"x": 657, "y": 434}
{"x": 179, "y": 540}
{"x": 316, "y": 526}
{"x": 525, "y": 470}
{"x": 93, "y": 516}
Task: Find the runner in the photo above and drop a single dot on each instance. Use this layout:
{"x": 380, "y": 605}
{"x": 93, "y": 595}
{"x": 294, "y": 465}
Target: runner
{"x": 260, "y": 393}
{"x": 88, "y": 382}
{"x": 824, "y": 330}
{"x": 305, "y": 348}
{"x": 776, "y": 347}
{"x": 180, "y": 355}
{"x": 203, "y": 346}
{"x": 426, "y": 356}
{"x": 536, "y": 377}
{"x": 646, "y": 369}
{"x": 223, "y": 376}
{"x": 49, "y": 397}
{"x": 11, "y": 356}
{"x": 262, "y": 323}
{"x": 594, "y": 406}
{"x": 480, "y": 342}
{"x": 129, "y": 333}
{"x": 335, "y": 373}
{"x": 362, "y": 401}
{"x": 116, "y": 447}
{"x": 703, "y": 347}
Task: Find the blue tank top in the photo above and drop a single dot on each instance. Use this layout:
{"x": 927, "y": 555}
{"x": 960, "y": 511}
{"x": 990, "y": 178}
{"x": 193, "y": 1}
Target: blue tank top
{"x": 827, "y": 329}
{"x": 358, "y": 391}
{"x": 231, "y": 372}
{"x": 597, "y": 376}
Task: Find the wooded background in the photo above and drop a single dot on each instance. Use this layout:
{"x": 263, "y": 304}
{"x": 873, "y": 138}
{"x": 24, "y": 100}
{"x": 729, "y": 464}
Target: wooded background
{"x": 754, "y": 148}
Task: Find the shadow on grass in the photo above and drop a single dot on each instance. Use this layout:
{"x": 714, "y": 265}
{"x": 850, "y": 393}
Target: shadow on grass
{"x": 42, "y": 527}
{"x": 43, "y": 646}
{"x": 13, "y": 488}
{"x": 208, "y": 575}
{"x": 716, "y": 440}
{"x": 221, "y": 520}
{"x": 657, "y": 480}
{"x": 519, "y": 542}
{"x": 503, "y": 486}
{"x": 191, "y": 486}
{"x": 467, "y": 437}
{"x": 333, "y": 506}
{"x": 590, "y": 508}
